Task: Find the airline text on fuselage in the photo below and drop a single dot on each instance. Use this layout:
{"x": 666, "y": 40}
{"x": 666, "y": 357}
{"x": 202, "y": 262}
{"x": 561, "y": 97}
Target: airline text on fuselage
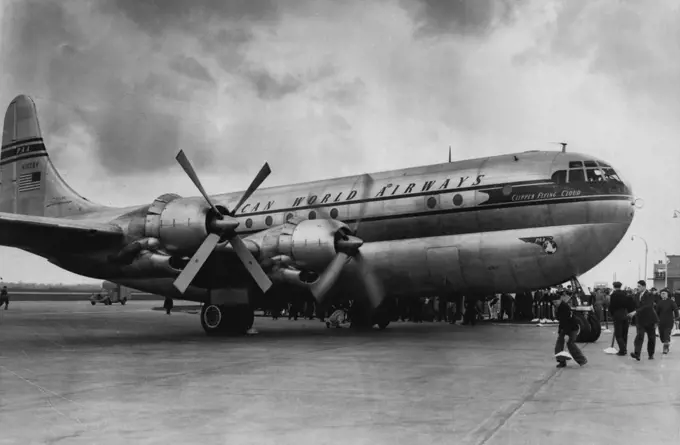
{"x": 386, "y": 190}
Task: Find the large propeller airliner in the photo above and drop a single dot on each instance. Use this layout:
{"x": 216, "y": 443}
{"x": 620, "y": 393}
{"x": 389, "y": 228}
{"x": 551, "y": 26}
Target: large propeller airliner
{"x": 505, "y": 223}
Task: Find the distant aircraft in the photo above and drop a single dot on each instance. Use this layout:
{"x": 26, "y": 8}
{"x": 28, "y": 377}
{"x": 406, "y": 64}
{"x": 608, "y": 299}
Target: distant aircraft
{"x": 498, "y": 224}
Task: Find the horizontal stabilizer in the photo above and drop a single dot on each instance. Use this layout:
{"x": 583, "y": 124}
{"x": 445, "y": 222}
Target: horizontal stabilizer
{"x": 69, "y": 234}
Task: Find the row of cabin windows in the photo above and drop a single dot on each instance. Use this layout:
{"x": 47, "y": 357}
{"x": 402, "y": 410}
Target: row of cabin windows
{"x": 586, "y": 171}
{"x": 431, "y": 203}
{"x": 269, "y": 220}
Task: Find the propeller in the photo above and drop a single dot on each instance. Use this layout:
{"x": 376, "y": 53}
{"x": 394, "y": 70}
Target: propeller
{"x": 222, "y": 225}
{"x": 348, "y": 245}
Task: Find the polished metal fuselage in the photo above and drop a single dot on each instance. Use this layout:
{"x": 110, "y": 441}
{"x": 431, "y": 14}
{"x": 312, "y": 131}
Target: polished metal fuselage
{"x": 497, "y": 224}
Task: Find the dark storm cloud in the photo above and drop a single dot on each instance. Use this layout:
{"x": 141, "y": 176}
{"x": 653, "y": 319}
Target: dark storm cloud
{"x": 156, "y": 16}
{"x": 622, "y": 43}
{"x": 467, "y": 17}
{"x": 269, "y": 88}
{"x": 78, "y": 77}
{"x": 346, "y": 93}
{"x": 227, "y": 46}
{"x": 191, "y": 67}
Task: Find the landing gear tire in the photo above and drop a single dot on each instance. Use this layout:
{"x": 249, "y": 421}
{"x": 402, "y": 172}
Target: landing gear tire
{"x": 93, "y": 303}
{"x": 123, "y": 301}
{"x": 381, "y": 318}
{"x": 584, "y": 327}
{"x": 221, "y": 320}
{"x": 595, "y": 327}
{"x": 212, "y": 318}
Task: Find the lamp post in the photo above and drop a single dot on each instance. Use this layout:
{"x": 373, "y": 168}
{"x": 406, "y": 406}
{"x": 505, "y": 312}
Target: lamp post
{"x": 646, "y": 253}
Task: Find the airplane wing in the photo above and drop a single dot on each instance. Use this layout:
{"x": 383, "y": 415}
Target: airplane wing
{"x": 27, "y": 232}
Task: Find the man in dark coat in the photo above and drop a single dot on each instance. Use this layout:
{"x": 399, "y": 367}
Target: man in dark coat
{"x": 621, "y": 304}
{"x": 4, "y": 297}
{"x": 568, "y": 327}
{"x": 471, "y": 310}
{"x": 167, "y": 305}
{"x": 646, "y": 320}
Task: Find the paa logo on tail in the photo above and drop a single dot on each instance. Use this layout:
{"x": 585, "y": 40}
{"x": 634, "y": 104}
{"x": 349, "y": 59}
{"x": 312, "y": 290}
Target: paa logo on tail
{"x": 546, "y": 242}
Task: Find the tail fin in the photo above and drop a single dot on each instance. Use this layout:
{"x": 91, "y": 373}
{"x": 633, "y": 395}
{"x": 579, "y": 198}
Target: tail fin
{"x": 29, "y": 183}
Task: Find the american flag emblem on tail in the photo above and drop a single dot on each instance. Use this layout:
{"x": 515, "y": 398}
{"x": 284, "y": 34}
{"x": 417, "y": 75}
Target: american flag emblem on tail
{"x": 29, "y": 181}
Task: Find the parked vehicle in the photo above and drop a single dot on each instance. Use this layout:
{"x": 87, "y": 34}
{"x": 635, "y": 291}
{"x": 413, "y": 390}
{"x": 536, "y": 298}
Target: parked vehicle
{"x": 111, "y": 293}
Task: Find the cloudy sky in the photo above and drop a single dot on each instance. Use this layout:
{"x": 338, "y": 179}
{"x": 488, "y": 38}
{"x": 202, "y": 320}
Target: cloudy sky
{"x": 321, "y": 89}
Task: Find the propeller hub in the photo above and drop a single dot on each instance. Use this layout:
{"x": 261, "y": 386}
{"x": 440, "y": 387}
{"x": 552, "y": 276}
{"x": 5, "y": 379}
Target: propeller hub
{"x": 223, "y": 225}
{"x": 349, "y": 244}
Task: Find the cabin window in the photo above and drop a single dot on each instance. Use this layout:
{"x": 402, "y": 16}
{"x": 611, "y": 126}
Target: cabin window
{"x": 289, "y": 217}
{"x": 334, "y": 213}
{"x": 312, "y": 215}
{"x": 576, "y": 164}
{"x": 590, "y": 164}
{"x": 559, "y": 177}
{"x": 431, "y": 202}
{"x": 249, "y": 223}
{"x": 576, "y": 175}
{"x": 268, "y": 221}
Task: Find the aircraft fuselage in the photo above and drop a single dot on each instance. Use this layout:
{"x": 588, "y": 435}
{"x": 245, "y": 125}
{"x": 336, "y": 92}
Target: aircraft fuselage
{"x": 499, "y": 224}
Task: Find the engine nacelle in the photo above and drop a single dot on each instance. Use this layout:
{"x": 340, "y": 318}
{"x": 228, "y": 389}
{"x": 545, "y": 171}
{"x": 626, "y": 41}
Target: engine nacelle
{"x": 152, "y": 265}
{"x": 310, "y": 244}
{"x": 179, "y": 223}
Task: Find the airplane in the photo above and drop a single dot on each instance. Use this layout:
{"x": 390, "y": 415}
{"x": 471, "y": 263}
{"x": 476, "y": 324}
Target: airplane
{"x": 507, "y": 223}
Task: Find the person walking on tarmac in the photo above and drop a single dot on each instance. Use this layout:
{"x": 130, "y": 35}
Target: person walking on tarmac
{"x": 4, "y": 297}
{"x": 646, "y": 320}
{"x": 667, "y": 311}
{"x": 471, "y": 311}
{"x": 568, "y": 327}
{"x": 620, "y": 305}
{"x": 167, "y": 305}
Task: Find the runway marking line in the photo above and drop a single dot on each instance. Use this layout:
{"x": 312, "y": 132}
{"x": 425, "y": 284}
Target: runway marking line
{"x": 46, "y": 391}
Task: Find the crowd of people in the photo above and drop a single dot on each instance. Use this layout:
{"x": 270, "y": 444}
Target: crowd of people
{"x": 646, "y": 309}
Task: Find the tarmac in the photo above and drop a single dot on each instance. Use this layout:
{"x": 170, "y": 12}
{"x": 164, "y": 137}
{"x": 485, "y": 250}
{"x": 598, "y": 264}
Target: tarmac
{"x": 71, "y": 373}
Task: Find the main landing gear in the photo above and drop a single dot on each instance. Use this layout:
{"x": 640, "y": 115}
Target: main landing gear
{"x": 219, "y": 319}
{"x": 364, "y": 318}
{"x": 590, "y": 327}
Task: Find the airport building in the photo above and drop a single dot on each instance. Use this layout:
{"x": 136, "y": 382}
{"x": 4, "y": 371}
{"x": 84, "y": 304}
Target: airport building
{"x": 673, "y": 272}
{"x": 668, "y": 274}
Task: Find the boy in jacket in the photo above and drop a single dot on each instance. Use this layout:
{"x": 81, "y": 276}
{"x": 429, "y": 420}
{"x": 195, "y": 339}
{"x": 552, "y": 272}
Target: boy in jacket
{"x": 569, "y": 327}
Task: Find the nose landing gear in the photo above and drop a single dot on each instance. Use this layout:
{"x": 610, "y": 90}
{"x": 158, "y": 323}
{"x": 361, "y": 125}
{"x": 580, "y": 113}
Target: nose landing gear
{"x": 590, "y": 326}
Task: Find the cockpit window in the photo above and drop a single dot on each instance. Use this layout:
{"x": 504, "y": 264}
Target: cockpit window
{"x": 610, "y": 175}
{"x": 576, "y": 175}
{"x": 559, "y": 177}
{"x": 586, "y": 171}
{"x": 595, "y": 175}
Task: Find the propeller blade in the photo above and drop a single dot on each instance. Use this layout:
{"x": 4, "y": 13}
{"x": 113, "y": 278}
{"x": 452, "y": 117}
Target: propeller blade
{"x": 250, "y": 263}
{"x": 189, "y": 170}
{"x": 368, "y": 182}
{"x": 373, "y": 286}
{"x": 329, "y": 276}
{"x": 259, "y": 179}
{"x": 194, "y": 266}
